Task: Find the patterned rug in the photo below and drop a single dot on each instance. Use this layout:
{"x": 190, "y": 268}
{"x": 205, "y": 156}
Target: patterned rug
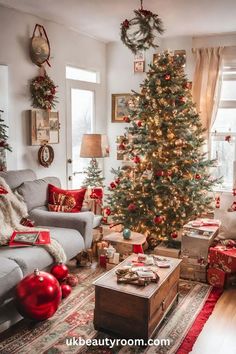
{"x": 74, "y": 318}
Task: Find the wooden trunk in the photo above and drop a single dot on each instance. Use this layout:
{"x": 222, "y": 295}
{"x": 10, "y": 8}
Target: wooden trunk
{"x": 134, "y": 312}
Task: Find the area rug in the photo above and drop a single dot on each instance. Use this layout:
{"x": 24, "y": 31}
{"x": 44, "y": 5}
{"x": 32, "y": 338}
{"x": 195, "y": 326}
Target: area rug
{"x": 74, "y": 318}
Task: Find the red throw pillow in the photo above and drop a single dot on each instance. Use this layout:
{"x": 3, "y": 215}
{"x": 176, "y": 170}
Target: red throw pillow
{"x": 67, "y": 201}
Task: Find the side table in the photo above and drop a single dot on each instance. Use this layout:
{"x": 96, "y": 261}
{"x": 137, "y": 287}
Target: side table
{"x": 123, "y": 246}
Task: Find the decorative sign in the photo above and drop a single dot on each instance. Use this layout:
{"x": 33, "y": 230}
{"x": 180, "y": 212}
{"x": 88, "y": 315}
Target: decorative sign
{"x": 44, "y": 127}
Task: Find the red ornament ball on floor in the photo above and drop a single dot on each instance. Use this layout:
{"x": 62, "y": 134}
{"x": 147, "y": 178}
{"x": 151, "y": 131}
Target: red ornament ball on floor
{"x": 38, "y": 296}
{"x": 60, "y": 271}
{"x": 72, "y": 280}
{"x": 66, "y": 290}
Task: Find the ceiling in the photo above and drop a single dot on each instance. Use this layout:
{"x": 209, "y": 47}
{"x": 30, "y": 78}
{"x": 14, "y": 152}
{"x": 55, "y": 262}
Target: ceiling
{"x": 101, "y": 18}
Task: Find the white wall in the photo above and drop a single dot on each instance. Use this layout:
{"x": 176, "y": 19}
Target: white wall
{"x": 67, "y": 47}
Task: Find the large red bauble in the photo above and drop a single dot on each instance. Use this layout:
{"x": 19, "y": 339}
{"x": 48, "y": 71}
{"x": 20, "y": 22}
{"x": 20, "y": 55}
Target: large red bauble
{"x": 38, "y": 296}
{"x": 66, "y": 290}
{"x": 60, "y": 271}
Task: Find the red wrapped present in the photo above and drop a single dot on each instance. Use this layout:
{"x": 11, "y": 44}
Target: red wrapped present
{"x": 96, "y": 193}
{"x": 216, "y": 277}
{"x": 223, "y": 258}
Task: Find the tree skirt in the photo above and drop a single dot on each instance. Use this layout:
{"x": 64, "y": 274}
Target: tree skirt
{"x": 74, "y": 318}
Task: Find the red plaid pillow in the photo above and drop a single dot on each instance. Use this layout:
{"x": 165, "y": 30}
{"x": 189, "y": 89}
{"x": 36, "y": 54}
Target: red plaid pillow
{"x": 67, "y": 201}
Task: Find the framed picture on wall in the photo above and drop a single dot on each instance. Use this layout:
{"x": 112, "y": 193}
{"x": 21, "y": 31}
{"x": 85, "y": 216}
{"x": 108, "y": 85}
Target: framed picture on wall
{"x": 120, "y": 105}
{"x": 44, "y": 127}
{"x": 139, "y": 66}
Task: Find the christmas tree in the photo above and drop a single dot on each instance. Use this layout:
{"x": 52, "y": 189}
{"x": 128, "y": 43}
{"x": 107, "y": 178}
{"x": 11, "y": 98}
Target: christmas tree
{"x": 93, "y": 175}
{"x": 168, "y": 181}
{"x": 3, "y": 135}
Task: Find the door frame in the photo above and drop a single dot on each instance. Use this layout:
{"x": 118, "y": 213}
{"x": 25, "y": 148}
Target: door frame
{"x": 81, "y": 85}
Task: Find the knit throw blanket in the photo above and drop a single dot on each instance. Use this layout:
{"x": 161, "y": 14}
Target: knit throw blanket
{"x": 12, "y": 210}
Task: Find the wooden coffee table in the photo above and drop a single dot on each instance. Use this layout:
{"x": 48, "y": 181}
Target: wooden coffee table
{"x": 131, "y": 311}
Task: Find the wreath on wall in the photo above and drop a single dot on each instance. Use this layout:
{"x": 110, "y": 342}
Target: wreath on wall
{"x": 43, "y": 92}
{"x": 139, "y": 32}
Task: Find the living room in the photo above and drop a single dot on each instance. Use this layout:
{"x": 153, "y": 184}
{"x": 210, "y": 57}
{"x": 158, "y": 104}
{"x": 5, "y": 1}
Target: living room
{"x": 111, "y": 114}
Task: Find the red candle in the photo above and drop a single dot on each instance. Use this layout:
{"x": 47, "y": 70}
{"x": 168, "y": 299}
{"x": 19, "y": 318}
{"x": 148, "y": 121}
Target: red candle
{"x": 102, "y": 260}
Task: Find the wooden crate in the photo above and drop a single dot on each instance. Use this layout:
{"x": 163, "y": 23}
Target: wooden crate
{"x": 163, "y": 250}
{"x": 130, "y": 311}
{"x": 190, "y": 269}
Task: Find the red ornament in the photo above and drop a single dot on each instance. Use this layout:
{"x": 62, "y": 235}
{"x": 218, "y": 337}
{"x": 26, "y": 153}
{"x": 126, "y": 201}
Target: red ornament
{"x": 60, "y": 271}
{"x": 126, "y": 119}
{"x": 72, "y": 280}
{"x": 167, "y": 77}
{"x": 112, "y": 185}
{"x": 174, "y": 235}
{"x": 38, "y": 296}
{"x": 188, "y": 85}
{"x": 197, "y": 176}
{"x": 125, "y": 23}
{"x": 107, "y": 211}
{"x": 117, "y": 181}
{"x": 132, "y": 207}
{"x": 217, "y": 201}
{"x": 121, "y": 146}
{"x": 182, "y": 99}
{"x": 65, "y": 290}
{"x": 139, "y": 123}
{"x": 136, "y": 159}
{"x": 160, "y": 173}
{"x": 158, "y": 219}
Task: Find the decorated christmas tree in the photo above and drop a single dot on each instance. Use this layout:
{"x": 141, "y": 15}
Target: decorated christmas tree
{"x": 167, "y": 182}
{"x": 3, "y": 135}
{"x": 93, "y": 175}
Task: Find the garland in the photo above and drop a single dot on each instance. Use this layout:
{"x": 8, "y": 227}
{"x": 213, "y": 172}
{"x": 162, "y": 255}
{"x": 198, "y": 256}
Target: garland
{"x": 147, "y": 23}
{"x": 43, "y": 92}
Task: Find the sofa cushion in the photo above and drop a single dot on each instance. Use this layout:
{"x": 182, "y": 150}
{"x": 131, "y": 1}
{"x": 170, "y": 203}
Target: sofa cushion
{"x": 15, "y": 178}
{"x": 66, "y": 201}
{"x": 10, "y": 275}
{"x": 97, "y": 221}
{"x": 35, "y": 193}
{"x": 29, "y": 258}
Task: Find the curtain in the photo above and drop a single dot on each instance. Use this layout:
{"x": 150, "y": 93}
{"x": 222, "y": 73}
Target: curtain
{"x": 206, "y": 83}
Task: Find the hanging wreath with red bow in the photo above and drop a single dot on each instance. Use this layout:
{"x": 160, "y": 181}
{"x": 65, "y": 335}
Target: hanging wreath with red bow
{"x": 139, "y": 32}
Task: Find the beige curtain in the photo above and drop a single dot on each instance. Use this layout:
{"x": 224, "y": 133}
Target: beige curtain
{"x": 206, "y": 83}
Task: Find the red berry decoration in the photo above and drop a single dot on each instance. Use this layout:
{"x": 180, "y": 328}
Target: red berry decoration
{"x": 160, "y": 173}
{"x": 197, "y": 176}
{"x": 136, "y": 159}
{"x": 158, "y": 219}
{"x": 65, "y": 290}
{"x": 112, "y": 185}
{"x": 72, "y": 280}
{"x": 167, "y": 77}
{"x": 174, "y": 235}
{"x": 182, "y": 99}
{"x": 126, "y": 119}
{"x": 132, "y": 207}
{"x": 38, "y": 296}
{"x": 60, "y": 271}
{"x": 126, "y": 23}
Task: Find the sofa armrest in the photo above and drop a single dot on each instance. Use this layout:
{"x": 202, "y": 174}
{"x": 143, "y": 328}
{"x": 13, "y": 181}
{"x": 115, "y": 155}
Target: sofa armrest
{"x": 82, "y": 222}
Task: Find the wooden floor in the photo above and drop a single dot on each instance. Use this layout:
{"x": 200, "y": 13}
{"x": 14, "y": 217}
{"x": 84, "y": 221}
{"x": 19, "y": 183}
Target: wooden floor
{"x": 219, "y": 333}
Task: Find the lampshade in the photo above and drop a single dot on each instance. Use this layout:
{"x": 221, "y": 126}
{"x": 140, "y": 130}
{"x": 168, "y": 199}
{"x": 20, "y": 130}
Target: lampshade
{"x": 94, "y": 145}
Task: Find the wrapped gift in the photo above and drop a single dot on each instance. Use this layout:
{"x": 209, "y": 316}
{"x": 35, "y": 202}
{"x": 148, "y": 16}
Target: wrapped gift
{"x": 193, "y": 269}
{"x": 216, "y": 277}
{"x": 223, "y": 258}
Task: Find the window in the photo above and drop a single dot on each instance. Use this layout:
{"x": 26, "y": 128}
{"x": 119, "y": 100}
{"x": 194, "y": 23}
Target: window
{"x": 82, "y": 75}
{"x": 223, "y": 134}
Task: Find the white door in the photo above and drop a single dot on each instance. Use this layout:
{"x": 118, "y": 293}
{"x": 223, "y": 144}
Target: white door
{"x": 80, "y": 120}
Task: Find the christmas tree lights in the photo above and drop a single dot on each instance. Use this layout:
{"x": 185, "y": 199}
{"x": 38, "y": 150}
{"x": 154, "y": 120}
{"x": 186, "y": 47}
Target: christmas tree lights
{"x": 168, "y": 182}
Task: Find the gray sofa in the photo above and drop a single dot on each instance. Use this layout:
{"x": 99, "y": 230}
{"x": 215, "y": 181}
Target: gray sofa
{"x": 72, "y": 230}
